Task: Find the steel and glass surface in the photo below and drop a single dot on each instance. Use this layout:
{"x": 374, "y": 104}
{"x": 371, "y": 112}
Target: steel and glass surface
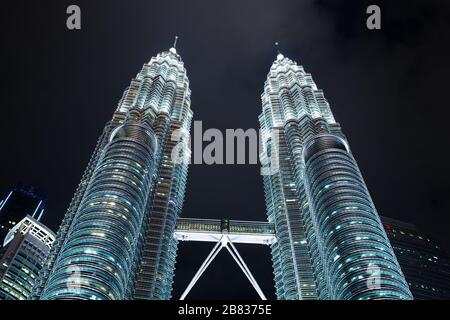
{"x": 116, "y": 240}
{"x": 120, "y": 233}
{"x": 330, "y": 241}
{"x": 25, "y": 249}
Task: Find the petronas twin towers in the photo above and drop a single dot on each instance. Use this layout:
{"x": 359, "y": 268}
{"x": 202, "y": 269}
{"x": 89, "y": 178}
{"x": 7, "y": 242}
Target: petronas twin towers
{"x": 117, "y": 239}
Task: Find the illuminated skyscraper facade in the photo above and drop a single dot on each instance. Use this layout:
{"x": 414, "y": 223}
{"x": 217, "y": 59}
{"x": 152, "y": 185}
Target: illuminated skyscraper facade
{"x": 116, "y": 240}
{"x": 25, "y": 248}
{"x": 330, "y": 241}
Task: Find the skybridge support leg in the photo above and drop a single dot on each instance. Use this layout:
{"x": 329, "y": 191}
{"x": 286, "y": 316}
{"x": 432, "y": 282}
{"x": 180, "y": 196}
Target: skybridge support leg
{"x": 202, "y": 268}
{"x": 237, "y": 257}
{"x": 224, "y": 242}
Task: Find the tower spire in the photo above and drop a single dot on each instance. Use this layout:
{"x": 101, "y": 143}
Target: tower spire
{"x": 277, "y": 47}
{"x": 279, "y": 54}
{"x": 174, "y": 47}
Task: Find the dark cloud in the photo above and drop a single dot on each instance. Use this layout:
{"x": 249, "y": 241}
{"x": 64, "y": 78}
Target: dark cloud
{"x": 388, "y": 88}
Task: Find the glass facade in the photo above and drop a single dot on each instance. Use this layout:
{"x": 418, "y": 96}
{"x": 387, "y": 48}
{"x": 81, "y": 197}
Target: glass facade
{"x": 425, "y": 264}
{"x": 330, "y": 241}
{"x": 104, "y": 236}
{"x": 26, "y": 246}
{"x": 358, "y": 261}
{"x": 116, "y": 240}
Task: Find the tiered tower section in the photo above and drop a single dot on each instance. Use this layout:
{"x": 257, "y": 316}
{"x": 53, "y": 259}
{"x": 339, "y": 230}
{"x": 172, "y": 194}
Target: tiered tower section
{"x": 330, "y": 241}
{"x": 116, "y": 240}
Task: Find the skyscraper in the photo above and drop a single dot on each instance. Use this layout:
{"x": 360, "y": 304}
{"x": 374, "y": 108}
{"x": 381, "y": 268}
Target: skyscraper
{"x": 17, "y": 203}
{"x": 26, "y": 246}
{"x": 330, "y": 241}
{"x": 116, "y": 240}
{"x": 425, "y": 264}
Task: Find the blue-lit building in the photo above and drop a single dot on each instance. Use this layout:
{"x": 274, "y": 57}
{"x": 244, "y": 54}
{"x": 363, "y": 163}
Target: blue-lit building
{"x": 116, "y": 240}
{"x": 16, "y": 204}
{"x": 330, "y": 240}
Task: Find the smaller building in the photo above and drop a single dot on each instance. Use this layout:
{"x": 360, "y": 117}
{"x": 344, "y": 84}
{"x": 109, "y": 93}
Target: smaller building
{"x": 16, "y": 204}
{"x": 24, "y": 250}
{"x": 425, "y": 264}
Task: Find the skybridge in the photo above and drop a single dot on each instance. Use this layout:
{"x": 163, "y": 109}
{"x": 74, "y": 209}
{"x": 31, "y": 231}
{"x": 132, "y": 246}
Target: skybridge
{"x": 224, "y": 233}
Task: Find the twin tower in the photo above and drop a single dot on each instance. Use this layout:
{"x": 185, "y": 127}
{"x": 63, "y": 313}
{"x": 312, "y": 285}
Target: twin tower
{"x": 117, "y": 239}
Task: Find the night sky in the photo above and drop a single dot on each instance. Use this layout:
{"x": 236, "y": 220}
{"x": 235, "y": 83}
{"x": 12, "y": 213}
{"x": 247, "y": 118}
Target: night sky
{"x": 388, "y": 88}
